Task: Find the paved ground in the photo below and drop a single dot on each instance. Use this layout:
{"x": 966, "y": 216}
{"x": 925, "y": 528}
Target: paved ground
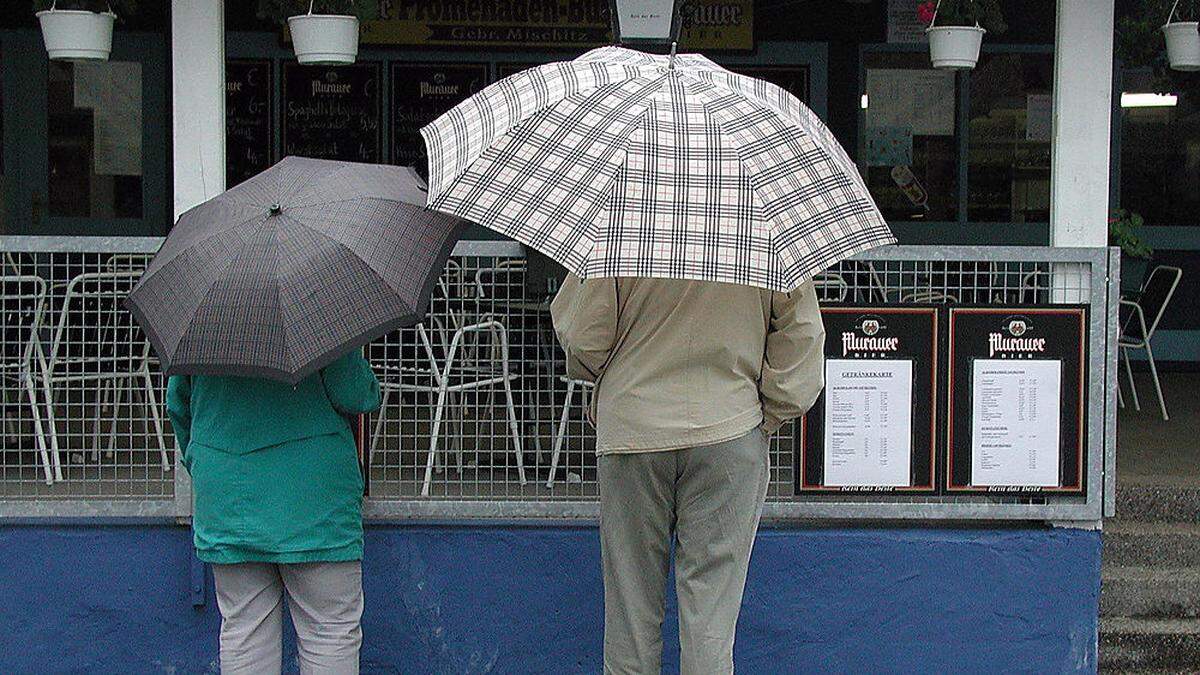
{"x": 1151, "y": 451}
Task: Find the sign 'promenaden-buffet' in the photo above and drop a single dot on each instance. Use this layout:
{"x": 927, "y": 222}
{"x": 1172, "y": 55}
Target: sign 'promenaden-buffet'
{"x": 707, "y": 24}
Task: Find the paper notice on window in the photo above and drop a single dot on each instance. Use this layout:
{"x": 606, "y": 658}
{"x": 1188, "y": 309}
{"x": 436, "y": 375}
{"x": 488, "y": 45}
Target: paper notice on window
{"x": 1039, "y": 117}
{"x": 922, "y": 100}
{"x": 868, "y": 422}
{"x": 113, "y": 91}
{"x": 1015, "y": 422}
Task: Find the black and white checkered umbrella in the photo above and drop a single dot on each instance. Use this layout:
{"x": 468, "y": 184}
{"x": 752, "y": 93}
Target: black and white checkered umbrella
{"x": 621, "y": 163}
{"x": 284, "y": 273}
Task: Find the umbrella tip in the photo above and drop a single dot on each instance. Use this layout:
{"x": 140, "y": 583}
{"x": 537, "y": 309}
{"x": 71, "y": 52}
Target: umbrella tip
{"x": 276, "y": 209}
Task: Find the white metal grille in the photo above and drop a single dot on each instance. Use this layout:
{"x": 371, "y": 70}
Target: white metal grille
{"x": 71, "y": 351}
{"x": 79, "y": 379}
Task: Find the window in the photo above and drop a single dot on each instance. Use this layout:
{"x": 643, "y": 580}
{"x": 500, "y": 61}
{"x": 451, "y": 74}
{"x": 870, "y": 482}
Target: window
{"x": 908, "y": 147}
{"x": 926, "y": 162}
{"x": 1008, "y": 139}
{"x": 1160, "y": 155}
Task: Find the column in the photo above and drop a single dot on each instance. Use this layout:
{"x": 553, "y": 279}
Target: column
{"x": 198, "y": 100}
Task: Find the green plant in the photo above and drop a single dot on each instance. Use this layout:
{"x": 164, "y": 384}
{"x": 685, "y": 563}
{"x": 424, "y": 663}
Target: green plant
{"x": 119, "y": 7}
{"x": 280, "y": 10}
{"x": 983, "y": 13}
{"x": 1123, "y": 226}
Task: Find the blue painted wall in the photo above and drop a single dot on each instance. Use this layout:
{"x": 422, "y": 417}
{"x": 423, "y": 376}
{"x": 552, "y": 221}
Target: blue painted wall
{"x": 477, "y": 599}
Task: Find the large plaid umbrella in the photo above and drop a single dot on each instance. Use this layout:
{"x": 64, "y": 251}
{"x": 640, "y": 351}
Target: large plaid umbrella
{"x": 621, "y": 163}
{"x": 284, "y": 273}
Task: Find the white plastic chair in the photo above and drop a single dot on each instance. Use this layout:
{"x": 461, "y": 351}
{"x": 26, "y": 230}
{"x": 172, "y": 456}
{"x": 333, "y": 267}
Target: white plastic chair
{"x": 926, "y": 296}
{"x": 451, "y": 374}
{"x": 22, "y": 308}
{"x": 77, "y": 351}
{"x": 585, "y": 388}
{"x": 1137, "y": 332}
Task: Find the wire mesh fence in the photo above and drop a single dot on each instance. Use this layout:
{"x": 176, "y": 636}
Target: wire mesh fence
{"x": 477, "y": 407}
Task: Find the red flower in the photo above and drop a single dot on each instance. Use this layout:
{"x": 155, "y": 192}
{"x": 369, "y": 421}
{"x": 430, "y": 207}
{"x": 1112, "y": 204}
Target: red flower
{"x": 926, "y": 11}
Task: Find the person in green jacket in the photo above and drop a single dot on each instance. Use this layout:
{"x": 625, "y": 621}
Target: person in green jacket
{"x": 278, "y": 506}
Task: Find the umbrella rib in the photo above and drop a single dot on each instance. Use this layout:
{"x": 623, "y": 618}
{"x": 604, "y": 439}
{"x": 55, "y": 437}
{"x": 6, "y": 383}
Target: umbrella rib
{"x": 349, "y": 250}
{"x": 201, "y": 240}
{"x": 429, "y": 134}
{"x": 207, "y": 288}
{"x": 309, "y": 205}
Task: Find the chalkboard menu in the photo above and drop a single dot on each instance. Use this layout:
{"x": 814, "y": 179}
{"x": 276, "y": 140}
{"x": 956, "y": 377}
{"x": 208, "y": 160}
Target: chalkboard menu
{"x": 248, "y": 125}
{"x": 333, "y": 112}
{"x": 792, "y": 79}
{"x": 420, "y": 93}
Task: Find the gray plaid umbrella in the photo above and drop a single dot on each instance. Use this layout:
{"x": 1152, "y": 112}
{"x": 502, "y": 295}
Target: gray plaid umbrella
{"x": 621, "y": 164}
{"x": 287, "y": 271}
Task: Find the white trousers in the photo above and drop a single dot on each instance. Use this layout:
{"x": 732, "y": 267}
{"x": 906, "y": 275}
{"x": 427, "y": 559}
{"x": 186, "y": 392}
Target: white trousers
{"x": 326, "y": 603}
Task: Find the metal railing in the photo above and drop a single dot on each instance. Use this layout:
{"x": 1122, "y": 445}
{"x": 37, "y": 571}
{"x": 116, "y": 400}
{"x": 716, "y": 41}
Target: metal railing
{"x": 77, "y": 376}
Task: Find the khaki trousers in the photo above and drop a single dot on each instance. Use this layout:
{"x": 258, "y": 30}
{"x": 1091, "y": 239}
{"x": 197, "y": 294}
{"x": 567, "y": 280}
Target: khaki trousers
{"x": 326, "y": 603}
{"x": 708, "y": 500}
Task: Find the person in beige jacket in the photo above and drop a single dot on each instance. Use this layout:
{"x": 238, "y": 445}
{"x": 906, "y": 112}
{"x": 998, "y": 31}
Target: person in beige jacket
{"x": 691, "y": 380}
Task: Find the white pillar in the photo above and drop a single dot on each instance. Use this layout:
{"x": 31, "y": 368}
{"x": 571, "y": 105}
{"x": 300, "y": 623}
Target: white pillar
{"x": 198, "y": 100}
{"x": 1083, "y": 63}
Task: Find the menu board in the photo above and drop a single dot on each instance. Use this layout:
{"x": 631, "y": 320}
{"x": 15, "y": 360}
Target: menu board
{"x": 1016, "y": 401}
{"x": 421, "y": 92}
{"x": 332, "y": 112}
{"x": 792, "y": 79}
{"x": 873, "y": 429}
{"x": 248, "y": 124}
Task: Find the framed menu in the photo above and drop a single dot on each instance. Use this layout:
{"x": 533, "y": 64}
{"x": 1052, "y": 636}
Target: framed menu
{"x": 792, "y": 79}
{"x": 332, "y": 112}
{"x": 249, "y": 127}
{"x": 1016, "y": 399}
{"x": 873, "y": 428}
{"x": 421, "y": 92}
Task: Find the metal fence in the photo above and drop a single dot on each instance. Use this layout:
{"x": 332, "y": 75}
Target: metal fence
{"x": 479, "y": 418}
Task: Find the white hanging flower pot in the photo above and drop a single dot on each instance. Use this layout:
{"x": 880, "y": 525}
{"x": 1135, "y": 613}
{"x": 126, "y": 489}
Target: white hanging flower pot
{"x": 1183, "y": 44}
{"x": 954, "y": 47}
{"x": 77, "y": 35}
{"x": 324, "y": 39}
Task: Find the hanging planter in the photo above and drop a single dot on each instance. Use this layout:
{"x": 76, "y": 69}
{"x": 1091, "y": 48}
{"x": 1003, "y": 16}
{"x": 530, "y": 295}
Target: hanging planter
{"x": 1183, "y": 42}
{"x": 76, "y": 30}
{"x": 323, "y": 32}
{"x": 955, "y": 29}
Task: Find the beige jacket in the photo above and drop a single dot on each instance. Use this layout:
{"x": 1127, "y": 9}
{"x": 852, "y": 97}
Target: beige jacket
{"x": 680, "y": 364}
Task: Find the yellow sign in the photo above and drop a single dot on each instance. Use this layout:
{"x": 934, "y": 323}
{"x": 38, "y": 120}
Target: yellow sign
{"x": 707, "y": 24}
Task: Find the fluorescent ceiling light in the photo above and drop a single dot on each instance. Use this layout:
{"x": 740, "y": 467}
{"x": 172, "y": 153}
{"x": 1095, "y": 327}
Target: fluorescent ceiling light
{"x": 1130, "y": 100}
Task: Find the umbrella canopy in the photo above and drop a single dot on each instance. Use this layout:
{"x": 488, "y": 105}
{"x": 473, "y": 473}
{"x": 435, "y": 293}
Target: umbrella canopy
{"x": 621, "y": 163}
{"x": 289, "y": 270}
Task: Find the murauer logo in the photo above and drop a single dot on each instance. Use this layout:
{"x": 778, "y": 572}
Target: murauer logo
{"x": 869, "y": 341}
{"x": 438, "y": 87}
{"x": 1017, "y": 343}
{"x": 330, "y": 85}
